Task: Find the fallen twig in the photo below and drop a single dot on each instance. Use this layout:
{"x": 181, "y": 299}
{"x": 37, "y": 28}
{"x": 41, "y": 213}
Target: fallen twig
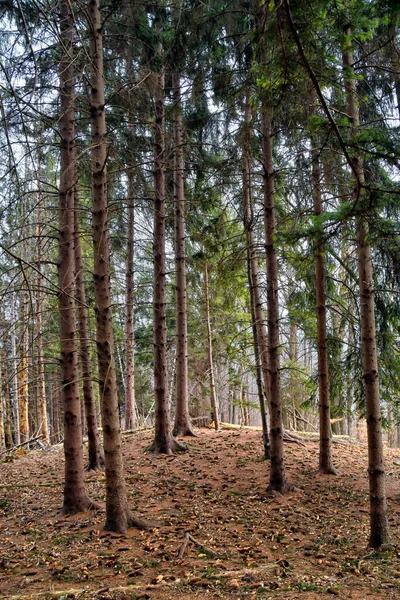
{"x": 14, "y": 448}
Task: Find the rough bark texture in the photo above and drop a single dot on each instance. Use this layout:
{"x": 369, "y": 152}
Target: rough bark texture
{"x": 2, "y": 414}
{"x": 23, "y": 370}
{"x": 130, "y": 404}
{"x": 259, "y": 332}
{"x": 163, "y": 440}
{"x": 75, "y": 497}
{"x": 325, "y": 450}
{"x": 95, "y": 451}
{"x": 118, "y": 518}
{"x": 182, "y": 425}
{"x": 278, "y": 480}
{"x": 214, "y": 402}
{"x": 379, "y": 533}
{"x": 15, "y": 372}
{"x": 7, "y": 399}
{"x": 42, "y": 425}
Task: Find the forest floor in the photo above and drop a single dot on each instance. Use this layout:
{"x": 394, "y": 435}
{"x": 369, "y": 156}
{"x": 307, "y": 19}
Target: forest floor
{"x": 310, "y": 544}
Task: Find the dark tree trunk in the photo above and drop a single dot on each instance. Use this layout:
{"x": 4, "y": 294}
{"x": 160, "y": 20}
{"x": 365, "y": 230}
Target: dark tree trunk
{"x": 130, "y": 404}
{"x": 75, "y": 497}
{"x": 164, "y": 442}
{"x": 278, "y": 480}
{"x": 379, "y": 533}
{"x": 95, "y": 451}
{"x": 118, "y": 517}
{"x": 259, "y": 333}
{"x": 325, "y": 447}
{"x": 214, "y": 403}
{"x": 182, "y": 425}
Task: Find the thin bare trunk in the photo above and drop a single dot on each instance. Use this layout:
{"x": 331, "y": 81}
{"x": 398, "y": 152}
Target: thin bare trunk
{"x": 75, "y": 497}
{"x": 130, "y": 404}
{"x": 2, "y": 414}
{"x": 95, "y": 451}
{"x": 15, "y": 371}
{"x": 41, "y": 409}
{"x": 214, "y": 402}
{"x": 182, "y": 424}
{"x": 7, "y": 399}
{"x": 23, "y": 368}
{"x": 259, "y": 332}
{"x": 379, "y": 530}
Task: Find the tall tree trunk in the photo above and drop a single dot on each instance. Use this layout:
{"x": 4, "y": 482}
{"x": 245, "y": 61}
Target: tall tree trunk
{"x": 23, "y": 368}
{"x": 7, "y": 399}
{"x": 214, "y": 402}
{"x": 182, "y": 425}
{"x": 325, "y": 447}
{"x": 14, "y": 356}
{"x": 163, "y": 440}
{"x": 2, "y": 415}
{"x": 118, "y": 517}
{"x": 378, "y": 505}
{"x": 278, "y": 480}
{"x": 75, "y": 497}
{"x": 95, "y": 451}
{"x": 259, "y": 332}
{"x": 130, "y": 404}
{"x": 41, "y": 388}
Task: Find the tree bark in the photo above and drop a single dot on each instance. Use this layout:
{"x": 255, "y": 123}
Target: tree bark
{"x": 379, "y": 530}
{"x": 163, "y": 443}
{"x": 41, "y": 408}
{"x": 95, "y": 451}
{"x": 75, "y": 497}
{"x": 278, "y": 480}
{"x": 182, "y": 425}
{"x": 23, "y": 368}
{"x": 130, "y": 404}
{"x": 325, "y": 448}
{"x": 214, "y": 402}
{"x": 17, "y": 436}
{"x": 118, "y": 517}
{"x": 259, "y": 332}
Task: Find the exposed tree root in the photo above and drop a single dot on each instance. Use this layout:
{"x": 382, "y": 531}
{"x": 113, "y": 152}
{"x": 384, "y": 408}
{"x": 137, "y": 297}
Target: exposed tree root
{"x": 81, "y": 505}
{"x": 189, "y": 538}
{"x": 169, "y": 447}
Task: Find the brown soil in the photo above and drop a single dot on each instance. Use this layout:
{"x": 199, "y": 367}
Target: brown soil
{"x": 309, "y": 545}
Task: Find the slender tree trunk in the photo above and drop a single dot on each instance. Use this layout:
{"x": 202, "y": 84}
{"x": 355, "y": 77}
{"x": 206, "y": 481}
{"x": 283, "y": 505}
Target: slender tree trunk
{"x": 325, "y": 447}
{"x": 95, "y": 451}
{"x": 41, "y": 388}
{"x": 7, "y": 399}
{"x": 130, "y": 404}
{"x": 259, "y": 332}
{"x": 17, "y": 436}
{"x": 379, "y": 533}
{"x": 182, "y": 424}
{"x": 2, "y": 414}
{"x": 23, "y": 369}
{"x": 214, "y": 402}
{"x": 278, "y": 480}
{"x": 118, "y": 517}
{"x": 163, "y": 440}
{"x": 75, "y": 497}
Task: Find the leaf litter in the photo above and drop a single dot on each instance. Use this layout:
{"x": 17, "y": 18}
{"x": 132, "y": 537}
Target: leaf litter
{"x": 220, "y": 535}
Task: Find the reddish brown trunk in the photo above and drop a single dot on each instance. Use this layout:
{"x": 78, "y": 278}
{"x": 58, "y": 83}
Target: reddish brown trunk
{"x": 75, "y": 497}
{"x": 130, "y": 404}
{"x": 182, "y": 424}
{"x": 379, "y": 531}
{"x": 23, "y": 369}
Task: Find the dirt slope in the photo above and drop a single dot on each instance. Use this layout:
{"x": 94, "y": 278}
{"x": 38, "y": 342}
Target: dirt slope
{"x": 311, "y": 544}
